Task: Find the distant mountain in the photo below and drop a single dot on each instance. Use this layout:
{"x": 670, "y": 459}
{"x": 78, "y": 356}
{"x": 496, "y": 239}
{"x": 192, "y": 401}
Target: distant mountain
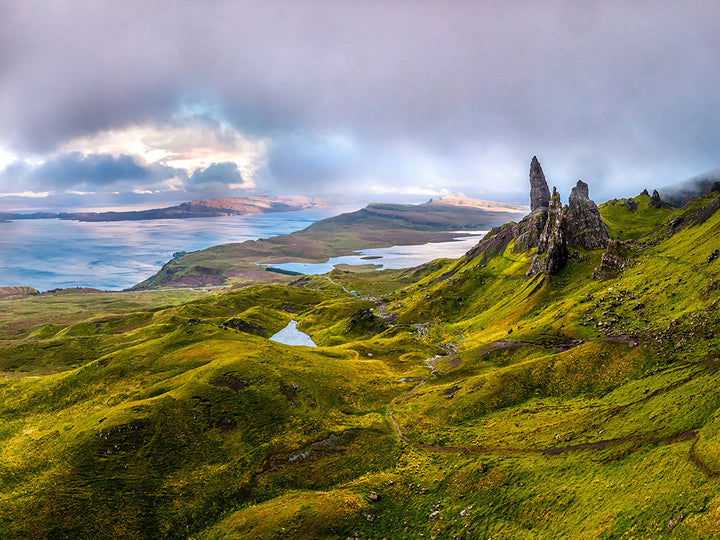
{"x": 680, "y": 193}
{"x": 218, "y": 206}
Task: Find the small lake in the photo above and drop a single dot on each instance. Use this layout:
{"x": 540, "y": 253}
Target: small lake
{"x": 290, "y": 335}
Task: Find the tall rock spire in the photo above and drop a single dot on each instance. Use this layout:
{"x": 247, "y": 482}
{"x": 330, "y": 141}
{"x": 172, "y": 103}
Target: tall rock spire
{"x": 539, "y": 192}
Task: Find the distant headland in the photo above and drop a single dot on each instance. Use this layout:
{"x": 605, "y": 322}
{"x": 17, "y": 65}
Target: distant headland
{"x": 215, "y": 207}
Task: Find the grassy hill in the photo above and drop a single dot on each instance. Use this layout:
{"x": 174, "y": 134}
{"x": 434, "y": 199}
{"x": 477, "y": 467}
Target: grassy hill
{"x": 460, "y": 399}
{"x": 377, "y": 225}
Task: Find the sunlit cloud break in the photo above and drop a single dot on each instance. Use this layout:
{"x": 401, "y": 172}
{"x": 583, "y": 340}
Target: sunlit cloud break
{"x": 320, "y": 96}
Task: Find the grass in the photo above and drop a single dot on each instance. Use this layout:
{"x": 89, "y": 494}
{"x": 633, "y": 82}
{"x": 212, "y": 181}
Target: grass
{"x": 551, "y": 407}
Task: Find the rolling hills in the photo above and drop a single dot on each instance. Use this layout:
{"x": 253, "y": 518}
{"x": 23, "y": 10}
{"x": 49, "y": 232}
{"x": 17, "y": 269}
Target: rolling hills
{"x": 493, "y": 396}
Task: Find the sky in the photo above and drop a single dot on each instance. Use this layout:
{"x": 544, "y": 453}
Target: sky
{"x": 148, "y": 103}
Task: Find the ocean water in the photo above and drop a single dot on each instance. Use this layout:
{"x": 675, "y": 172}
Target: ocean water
{"x": 51, "y": 253}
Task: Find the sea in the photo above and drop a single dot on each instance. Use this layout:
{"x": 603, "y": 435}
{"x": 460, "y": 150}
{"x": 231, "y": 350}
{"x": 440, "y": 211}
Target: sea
{"x": 51, "y": 253}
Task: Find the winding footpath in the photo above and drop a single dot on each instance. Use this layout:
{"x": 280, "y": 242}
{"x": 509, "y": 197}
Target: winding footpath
{"x": 686, "y": 435}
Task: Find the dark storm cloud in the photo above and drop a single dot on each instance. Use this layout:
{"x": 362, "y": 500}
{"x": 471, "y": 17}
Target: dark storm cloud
{"x": 214, "y": 177}
{"x": 97, "y": 169}
{"x": 622, "y": 94}
{"x": 75, "y": 171}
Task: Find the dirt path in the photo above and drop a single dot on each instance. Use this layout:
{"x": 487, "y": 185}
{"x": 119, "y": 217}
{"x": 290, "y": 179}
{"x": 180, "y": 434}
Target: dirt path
{"x": 561, "y": 347}
{"x": 342, "y": 287}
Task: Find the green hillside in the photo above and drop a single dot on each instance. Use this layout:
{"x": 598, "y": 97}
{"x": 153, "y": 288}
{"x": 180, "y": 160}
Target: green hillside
{"x": 460, "y": 399}
{"x": 375, "y": 226}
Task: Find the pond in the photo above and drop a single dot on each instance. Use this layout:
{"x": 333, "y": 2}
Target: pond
{"x": 290, "y": 335}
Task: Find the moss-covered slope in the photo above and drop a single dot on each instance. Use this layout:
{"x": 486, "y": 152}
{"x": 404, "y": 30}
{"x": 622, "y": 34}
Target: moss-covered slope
{"x": 457, "y": 399}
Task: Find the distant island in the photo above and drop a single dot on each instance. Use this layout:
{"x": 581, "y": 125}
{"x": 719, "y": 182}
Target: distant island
{"x": 215, "y": 207}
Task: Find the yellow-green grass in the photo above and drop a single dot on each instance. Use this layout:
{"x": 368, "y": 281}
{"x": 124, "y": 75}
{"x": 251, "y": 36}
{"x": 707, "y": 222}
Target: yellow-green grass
{"x": 546, "y": 407}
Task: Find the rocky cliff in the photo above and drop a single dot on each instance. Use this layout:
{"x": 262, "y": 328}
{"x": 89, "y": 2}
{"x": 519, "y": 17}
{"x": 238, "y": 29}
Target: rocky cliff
{"x": 550, "y": 228}
{"x": 551, "y": 254}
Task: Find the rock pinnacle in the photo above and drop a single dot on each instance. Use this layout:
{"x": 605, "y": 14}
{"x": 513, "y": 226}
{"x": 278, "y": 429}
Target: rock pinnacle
{"x": 539, "y": 192}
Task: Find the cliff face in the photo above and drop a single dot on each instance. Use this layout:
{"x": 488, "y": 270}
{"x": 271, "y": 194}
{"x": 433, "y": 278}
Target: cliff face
{"x": 529, "y": 230}
{"x": 551, "y": 254}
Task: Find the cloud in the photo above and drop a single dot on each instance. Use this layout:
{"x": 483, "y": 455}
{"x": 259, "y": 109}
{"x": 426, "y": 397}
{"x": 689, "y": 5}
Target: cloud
{"x": 78, "y": 172}
{"x": 98, "y": 169}
{"x": 403, "y": 94}
{"x": 297, "y": 161}
{"x": 216, "y": 177}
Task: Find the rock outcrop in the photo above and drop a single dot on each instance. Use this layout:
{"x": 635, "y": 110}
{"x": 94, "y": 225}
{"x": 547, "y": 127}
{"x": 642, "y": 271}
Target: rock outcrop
{"x": 615, "y": 259}
{"x": 549, "y": 228}
{"x": 631, "y": 204}
{"x": 584, "y": 226}
{"x": 529, "y": 230}
{"x": 244, "y": 326}
{"x": 551, "y": 254}
{"x": 655, "y": 200}
{"x": 539, "y": 192}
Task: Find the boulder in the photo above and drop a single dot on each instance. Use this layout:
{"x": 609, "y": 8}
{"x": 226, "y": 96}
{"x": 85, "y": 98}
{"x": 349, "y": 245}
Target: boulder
{"x": 615, "y": 259}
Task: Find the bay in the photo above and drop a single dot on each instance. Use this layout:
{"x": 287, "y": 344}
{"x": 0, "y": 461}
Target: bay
{"x": 394, "y": 257}
{"x": 52, "y": 253}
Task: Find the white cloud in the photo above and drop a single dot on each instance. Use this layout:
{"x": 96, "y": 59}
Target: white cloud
{"x": 184, "y": 144}
{"x": 28, "y": 194}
